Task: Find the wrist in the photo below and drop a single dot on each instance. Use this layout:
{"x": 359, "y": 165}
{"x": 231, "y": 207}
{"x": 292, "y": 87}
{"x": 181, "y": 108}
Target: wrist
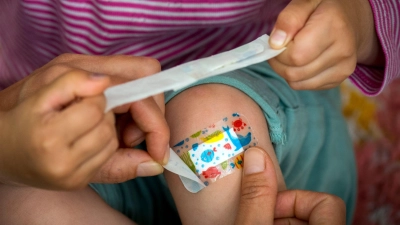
{"x": 369, "y": 50}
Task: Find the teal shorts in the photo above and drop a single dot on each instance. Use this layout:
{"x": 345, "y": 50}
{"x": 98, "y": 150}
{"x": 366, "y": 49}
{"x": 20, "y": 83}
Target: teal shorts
{"x": 308, "y": 132}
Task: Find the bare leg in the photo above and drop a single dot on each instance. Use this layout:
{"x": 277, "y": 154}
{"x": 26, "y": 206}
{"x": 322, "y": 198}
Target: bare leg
{"x": 195, "y": 109}
{"x": 26, "y": 205}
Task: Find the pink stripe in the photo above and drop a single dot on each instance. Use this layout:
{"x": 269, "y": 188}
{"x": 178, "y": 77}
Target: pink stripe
{"x": 201, "y": 53}
{"x": 129, "y": 15}
{"x": 121, "y": 31}
{"x": 177, "y": 8}
{"x": 211, "y": 16}
{"x": 148, "y": 45}
{"x": 182, "y": 48}
{"x": 190, "y": 39}
{"x": 385, "y": 24}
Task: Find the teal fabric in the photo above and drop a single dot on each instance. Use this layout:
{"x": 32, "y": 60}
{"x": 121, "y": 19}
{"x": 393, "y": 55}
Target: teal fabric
{"x": 307, "y": 129}
{"x": 308, "y": 132}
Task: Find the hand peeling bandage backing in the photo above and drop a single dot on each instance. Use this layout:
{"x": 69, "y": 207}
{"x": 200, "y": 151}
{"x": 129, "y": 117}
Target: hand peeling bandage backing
{"x": 217, "y": 150}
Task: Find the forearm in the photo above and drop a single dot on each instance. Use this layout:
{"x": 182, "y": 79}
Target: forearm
{"x": 370, "y": 51}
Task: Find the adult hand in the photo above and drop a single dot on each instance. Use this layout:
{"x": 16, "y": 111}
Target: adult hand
{"x": 325, "y": 39}
{"x": 142, "y": 120}
{"x": 260, "y": 202}
{"x": 60, "y": 136}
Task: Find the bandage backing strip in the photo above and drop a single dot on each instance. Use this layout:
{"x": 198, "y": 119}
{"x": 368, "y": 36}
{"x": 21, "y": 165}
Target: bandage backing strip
{"x": 215, "y": 151}
{"x": 190, "y": 72}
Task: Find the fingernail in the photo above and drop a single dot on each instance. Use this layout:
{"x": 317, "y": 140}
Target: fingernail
{"x": 254, "y": 161}
{"x": 278, "y": 38}
{"x": 166, "y": 156}
{"x": 97, "y": 76}
{"x": 149, "y": 168}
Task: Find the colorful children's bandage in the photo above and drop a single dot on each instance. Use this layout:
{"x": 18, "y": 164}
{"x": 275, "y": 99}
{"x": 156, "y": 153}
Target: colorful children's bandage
{"x": 215, "y": 151}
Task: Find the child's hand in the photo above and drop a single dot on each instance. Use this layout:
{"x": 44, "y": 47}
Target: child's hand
{"x": 60, "y": 136}
{"x": 324, "y": 39}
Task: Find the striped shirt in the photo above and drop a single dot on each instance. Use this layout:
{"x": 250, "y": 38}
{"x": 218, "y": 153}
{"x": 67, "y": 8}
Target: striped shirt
{"x": 32, "y": 32}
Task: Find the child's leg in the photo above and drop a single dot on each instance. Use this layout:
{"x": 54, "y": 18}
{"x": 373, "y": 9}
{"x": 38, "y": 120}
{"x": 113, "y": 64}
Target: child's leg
{"x": 195, "y": 109}
{"x": 26, "y": 205}
{"x": 143, "y": 200}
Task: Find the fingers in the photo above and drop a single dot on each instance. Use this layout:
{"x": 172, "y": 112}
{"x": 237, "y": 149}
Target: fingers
{"x": 133, "y": 135}
{"x": 259, "y": 189}
{"x": 88, "y": 145}
{"x": 72, "y": 135}
{"x": 86, "y": 170}
{"x": 73, "y": 85}
{"x": 73, "y": 114}
{"x": 150, "y": 119}
{"x": 324, "y": 71}
{"x": 314, "y": 207}
{"x": 127, "y": 164}
{"x": 290, "y": 21}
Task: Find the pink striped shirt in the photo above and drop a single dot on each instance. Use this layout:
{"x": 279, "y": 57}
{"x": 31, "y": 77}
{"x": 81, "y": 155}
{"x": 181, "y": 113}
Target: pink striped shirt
{"x": 32, "y": 32}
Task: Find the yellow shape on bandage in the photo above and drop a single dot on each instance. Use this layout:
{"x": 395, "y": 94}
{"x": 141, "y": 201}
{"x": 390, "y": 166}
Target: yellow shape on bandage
{"x": 214, "y": 137}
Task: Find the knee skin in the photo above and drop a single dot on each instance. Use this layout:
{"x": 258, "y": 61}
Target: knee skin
{"x": 195, "y": 109}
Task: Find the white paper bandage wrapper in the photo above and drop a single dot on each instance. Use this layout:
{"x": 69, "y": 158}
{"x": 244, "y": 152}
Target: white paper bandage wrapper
{"x": 180, "y": 76}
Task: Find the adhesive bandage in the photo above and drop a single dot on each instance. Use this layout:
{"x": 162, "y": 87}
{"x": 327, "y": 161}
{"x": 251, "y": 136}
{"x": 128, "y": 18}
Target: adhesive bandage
{"x": 215, "y": 151}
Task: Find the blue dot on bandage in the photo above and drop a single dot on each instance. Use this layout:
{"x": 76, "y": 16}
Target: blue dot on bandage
{"x": 207, "y": 156}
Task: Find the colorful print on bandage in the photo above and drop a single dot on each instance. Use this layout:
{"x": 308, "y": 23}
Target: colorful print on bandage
{"x": 217, "y": 150}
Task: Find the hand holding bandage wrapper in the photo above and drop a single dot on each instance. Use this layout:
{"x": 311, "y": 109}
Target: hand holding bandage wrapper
{"x": 186, "y": 74}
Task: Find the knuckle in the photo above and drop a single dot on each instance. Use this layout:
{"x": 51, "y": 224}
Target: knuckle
{"x": 339, "y": 24}
{"x": 151, "y": 65}
{"x": 95, "y": 111}
{"x": 108, "y": 130}
{"x": 59, "y": 170}
{"x": 44, "y": 141}
{"x": 55, "y": 71}
{"x": 113, "y": 173}
{"x": 256, "y": 189}
{"x": 290, "y": 18}
{"x": 298, "y": 58}
{"x": 335, "y": 200}
{"x": 348, "y": 52}
{"x": 291, "y": 75}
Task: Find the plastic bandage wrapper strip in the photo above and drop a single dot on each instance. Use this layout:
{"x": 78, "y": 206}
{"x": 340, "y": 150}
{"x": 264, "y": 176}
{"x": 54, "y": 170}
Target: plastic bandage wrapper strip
{"x": 217, "y": 150}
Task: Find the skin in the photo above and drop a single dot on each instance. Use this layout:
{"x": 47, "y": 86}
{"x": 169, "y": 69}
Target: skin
{"x": 324, "y": 41}
{"x": 260, "y": 201}
{"x": 54, "y": 128}
{"x": 216, "y": 203}
{"x": 39, "y": 109}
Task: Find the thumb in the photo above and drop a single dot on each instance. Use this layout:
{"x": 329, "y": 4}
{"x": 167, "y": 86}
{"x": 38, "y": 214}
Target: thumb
{"x": 259, "y": 188}
{"x": 290, "y": 21}
{"x": 71, "y": 87}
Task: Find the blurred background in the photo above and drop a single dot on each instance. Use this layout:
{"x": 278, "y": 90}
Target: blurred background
{"x": 374, "y": 124}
